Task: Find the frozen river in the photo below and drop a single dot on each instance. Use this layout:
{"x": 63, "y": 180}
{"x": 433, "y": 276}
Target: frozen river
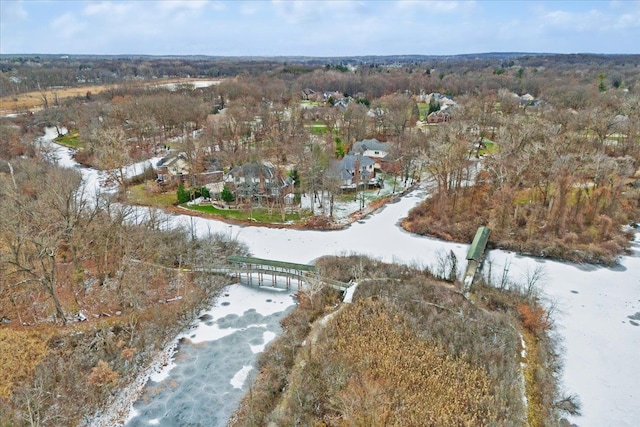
{"x": 597, "y": 310}
{"x": 593, "y": 313}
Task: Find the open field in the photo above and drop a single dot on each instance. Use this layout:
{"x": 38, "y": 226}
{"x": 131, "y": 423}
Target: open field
{"x": 33, "y": 101}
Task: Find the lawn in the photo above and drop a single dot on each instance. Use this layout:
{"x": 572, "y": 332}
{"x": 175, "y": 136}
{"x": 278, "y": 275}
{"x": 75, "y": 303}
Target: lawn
{"x": 423, "y": 108}
{"x": 71, "y": 140}
{"x": 257, "y": 214}
{"x": 490, "y": 147}
{"x": 307, "y": 103}
{"x": 317, "y": 128}
{"x": 144, "y": 194}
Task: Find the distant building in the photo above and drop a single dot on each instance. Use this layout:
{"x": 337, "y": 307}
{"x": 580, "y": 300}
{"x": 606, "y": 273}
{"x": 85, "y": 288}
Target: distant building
{"x": 175, "y": 167}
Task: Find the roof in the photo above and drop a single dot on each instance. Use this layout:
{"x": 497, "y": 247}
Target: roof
{"x": 476, "y": 250}
{"x": 213, "y": 165}
{"x": 348, "y": 162}
{"x": 253, "y": 170}
{"x": 170, "y": 158}
{"x": 369, "y": 144}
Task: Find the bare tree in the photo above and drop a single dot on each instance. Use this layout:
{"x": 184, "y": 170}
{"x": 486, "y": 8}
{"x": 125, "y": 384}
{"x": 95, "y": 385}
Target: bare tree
{"x": 37, "y": 229}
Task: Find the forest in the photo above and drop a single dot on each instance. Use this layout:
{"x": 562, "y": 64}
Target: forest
{"x": 543, "y": 149}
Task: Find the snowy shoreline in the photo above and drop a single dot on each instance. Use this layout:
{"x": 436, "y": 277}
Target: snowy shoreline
{"x": 119, "y": 410}
{"x": 595, "y": 306}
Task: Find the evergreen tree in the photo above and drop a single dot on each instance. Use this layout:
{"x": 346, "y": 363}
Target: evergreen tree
{"x": 226, "y": 195}
{"x": 183, "y": 194}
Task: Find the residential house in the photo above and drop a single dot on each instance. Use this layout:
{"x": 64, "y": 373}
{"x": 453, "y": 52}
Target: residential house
{"x": 212, "y": 172}
{"x": 620, "y": 123}
{"x": 259, "y": 182}
{"x": 527, "y": 100}
{"x": 332, "y": 96}
{"x": 310, "y": 95}
{"x": 373, "y": 149}
{"x": 313, "y": 113}
{"x": 343, "y": 103}
{"x": 175, "y": 167}
{"x": 440, "y": 116}
{"x": 353, "y": 171}
{"x": 172, "y": 167}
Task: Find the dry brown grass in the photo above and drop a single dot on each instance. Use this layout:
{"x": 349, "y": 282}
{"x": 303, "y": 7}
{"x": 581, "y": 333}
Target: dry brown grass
{"x": 33, "y": 101}
{"x": 409, "y": 351}
{"x": 22, "y": 351}
{"x": 377, "y": 370}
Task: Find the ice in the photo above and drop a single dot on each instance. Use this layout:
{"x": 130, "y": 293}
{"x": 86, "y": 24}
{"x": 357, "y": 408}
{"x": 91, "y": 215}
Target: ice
{"x": 240, "y": 377}
{"x": 590, "y": 305}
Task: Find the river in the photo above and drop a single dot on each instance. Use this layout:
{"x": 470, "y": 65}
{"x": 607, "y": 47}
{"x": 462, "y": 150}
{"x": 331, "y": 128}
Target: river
{"x": 596, "y": 310}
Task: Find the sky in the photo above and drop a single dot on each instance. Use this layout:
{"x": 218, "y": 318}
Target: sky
{"x": 317, "y": 28}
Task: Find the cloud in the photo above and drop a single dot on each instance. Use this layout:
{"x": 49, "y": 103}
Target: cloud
{"x": 440, "y": 6}
{"x": 299, "y": 11}
{"x": 593, "y": 21}
{"x": 174, "y": 5}
{"x": 107, "y": 8}
{"x": 323, "y": 28}
{"x": 628, "y": 20}
{"x": 12, "y": 11}
{"x": 68, "y": 26}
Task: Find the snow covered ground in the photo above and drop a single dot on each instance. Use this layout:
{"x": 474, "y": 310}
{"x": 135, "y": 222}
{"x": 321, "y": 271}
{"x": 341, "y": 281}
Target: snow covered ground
{"x": 196, "y": 84}
{"x": 594, "y": 306}
{"x": 95, "y": 181}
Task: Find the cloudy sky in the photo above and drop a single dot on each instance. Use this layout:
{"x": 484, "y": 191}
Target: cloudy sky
{"x": 317, "y": 28}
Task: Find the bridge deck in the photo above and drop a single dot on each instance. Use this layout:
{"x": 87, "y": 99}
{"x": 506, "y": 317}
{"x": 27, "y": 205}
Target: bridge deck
{"x": 290, "y": 270}
{"x": 475, "y": 256}
{"x": 269, "y": 263}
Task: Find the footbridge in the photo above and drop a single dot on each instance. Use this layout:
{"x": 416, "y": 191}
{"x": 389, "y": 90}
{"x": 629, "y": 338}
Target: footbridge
{"x": 475, "y": 257}
{"x": 259, "y": 268}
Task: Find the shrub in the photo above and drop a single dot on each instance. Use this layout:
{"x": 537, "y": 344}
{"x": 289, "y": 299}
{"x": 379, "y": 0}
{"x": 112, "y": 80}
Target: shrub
{"x": 103, "y": 375}
{"x": 534, "y": 318}
{"x": 183, "y": 195}
{"x": 226, "y": 195}
{"x": 204, "y": 192}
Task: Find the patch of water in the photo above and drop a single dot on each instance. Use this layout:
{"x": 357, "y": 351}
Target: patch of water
{"x": 215, "y": 361}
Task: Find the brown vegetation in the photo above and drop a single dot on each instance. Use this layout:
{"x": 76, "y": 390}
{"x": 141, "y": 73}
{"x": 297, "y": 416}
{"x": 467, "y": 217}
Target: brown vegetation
{"x": 37, "y": 100}
{"x": 409, "y": 351}
{"x": 553, "y": 186}
{"x": 540, "y": 357}
{"x": 557, "y": 181}
{"x": 87, "y": 296}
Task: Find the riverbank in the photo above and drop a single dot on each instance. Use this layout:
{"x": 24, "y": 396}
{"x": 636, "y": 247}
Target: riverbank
{"x": 592, "y": 306}
{"x": 566, "y": 249}
{"x": 118, "y": 410}
{"x": 318, "y": 223}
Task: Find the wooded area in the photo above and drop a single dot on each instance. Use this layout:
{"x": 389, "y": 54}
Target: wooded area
{"x": 542, "y": 149}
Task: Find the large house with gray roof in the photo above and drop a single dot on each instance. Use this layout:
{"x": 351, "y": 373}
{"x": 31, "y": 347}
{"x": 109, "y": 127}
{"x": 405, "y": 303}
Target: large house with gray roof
{"x": 258, "y": 182}
{"x": 354, "y": 170}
